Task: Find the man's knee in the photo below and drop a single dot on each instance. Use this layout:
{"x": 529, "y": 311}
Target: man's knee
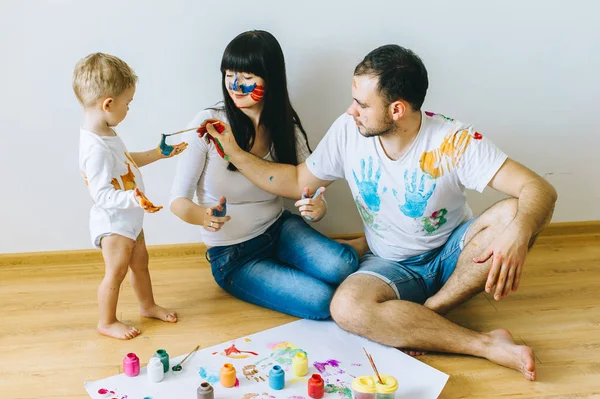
{"x": 347, "y": 310}
{"x": 354, "y": 305}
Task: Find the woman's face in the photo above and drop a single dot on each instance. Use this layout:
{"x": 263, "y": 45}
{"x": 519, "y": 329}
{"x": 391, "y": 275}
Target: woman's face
{"x": 245, "y": 89}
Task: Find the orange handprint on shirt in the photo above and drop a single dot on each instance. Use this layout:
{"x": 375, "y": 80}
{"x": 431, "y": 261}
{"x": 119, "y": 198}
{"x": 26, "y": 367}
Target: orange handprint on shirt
{"x": 440, "y": 161}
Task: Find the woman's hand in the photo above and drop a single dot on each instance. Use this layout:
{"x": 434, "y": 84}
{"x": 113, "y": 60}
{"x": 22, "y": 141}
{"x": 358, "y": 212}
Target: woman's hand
{"x": 215, "y": 217}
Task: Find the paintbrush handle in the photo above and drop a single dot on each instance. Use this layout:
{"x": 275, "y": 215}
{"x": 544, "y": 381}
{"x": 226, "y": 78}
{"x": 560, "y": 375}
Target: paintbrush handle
{"x": 181, "y": 131}
{"x": 188, "y": 355}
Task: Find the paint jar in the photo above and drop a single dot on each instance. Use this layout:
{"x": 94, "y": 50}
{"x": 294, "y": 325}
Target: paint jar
{"x": 164, "y": 358}
{"x": 227, "y": 375}
{"x": 277, "y": 378}
{"x": 205, "y": 391}
{"x": 131, "y": 365}
{"x": 155, "y": 369}
{"x": 364, "y": 388}
{"x": 388, "y": 389}
{"x": 300, "y": 364}
{"x": 316, "y": 387}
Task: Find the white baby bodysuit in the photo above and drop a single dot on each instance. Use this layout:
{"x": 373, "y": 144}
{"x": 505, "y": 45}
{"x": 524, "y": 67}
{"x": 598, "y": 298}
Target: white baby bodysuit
{"x": 112, "y": 177}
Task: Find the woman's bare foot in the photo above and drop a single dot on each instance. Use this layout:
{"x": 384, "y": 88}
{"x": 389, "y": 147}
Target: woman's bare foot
{"x": 359, "y": 244}
{"x": 505, "y": 352}
{"x": 118, "y": 330}
{"x": 160, "y": 313}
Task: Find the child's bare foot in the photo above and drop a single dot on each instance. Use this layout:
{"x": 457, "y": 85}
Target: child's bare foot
{"x": 118, "y": 330}
{"x": 158, "y": 312}
{"x": 359, "y": 244}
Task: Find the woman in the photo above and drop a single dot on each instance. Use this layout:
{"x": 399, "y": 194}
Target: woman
{"x": 259, "y": 252}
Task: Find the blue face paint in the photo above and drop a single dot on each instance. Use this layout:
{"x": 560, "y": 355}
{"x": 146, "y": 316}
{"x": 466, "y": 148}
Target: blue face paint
{"x": 246, "y": 89}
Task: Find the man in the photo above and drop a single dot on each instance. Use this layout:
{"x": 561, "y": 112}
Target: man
{"x": 408, "y": 171}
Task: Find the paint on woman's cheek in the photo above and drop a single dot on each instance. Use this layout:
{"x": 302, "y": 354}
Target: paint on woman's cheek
{"x": 233, "y": 85}
{"x": 257, "y": 93}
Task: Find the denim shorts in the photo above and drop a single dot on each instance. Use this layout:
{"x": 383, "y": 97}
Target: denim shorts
{"x": 419, "y": 277}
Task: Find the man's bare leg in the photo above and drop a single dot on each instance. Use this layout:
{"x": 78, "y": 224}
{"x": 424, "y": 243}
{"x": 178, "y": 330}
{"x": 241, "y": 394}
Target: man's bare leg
{"x": 367, "y": 306}
{"x": 468, "y": 279}
{"x": 359, "y": 244}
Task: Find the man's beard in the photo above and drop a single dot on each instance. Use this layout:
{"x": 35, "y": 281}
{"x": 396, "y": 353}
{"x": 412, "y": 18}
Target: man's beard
{"x": 385, "y": 127}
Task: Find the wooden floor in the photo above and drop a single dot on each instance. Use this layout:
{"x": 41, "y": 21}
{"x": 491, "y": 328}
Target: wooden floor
{"x": 50, "y": 346}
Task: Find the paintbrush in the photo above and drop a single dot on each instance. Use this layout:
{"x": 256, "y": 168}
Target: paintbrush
{"x": 181, "y": 131}
{"x": 373, "y": 365}
{"x": 178, "y": 367}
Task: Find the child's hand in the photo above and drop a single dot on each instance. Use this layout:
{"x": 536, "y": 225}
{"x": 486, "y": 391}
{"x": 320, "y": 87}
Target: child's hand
{"x": 312, "y": 208}
{"x": 168, "y": 151}
{"x": 215, "y": 216}
{"x": 145, "y": 203}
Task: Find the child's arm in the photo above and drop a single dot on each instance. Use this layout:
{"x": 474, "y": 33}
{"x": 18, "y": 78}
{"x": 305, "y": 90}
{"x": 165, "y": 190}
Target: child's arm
{"x": 160, "y": 152}
{"x": 102, "y": 187}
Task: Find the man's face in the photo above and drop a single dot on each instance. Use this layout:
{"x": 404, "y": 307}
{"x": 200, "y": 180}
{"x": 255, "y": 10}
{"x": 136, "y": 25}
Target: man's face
{"x": 245, "y": 89}
{"x": 368, "y": 107}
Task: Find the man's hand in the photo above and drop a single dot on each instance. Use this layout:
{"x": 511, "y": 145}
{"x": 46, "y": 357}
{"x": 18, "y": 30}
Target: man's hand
{"x": 313, "y": 207}
{"x": 221, "y": 132}
{"x": 145, "y": 203}
{"x": 508, "y": 252}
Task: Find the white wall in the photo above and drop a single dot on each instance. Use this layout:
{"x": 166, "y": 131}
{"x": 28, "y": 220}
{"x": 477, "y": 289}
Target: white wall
{"x": 526, "y": 73}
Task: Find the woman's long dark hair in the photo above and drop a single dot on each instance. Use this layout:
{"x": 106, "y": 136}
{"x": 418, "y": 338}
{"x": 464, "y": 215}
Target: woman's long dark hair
{"x": 259, "y": 53}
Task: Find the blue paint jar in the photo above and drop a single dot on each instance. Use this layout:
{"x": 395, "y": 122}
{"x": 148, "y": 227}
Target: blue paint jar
{"x": 277, "y": 378}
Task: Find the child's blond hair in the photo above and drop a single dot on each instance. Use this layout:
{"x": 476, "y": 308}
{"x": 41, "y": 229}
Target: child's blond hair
{"x": 101, "y": 75}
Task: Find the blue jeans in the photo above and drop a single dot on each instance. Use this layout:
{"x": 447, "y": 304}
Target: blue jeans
{"x": 419, "y": 277}
{"x": 290, "y": 268}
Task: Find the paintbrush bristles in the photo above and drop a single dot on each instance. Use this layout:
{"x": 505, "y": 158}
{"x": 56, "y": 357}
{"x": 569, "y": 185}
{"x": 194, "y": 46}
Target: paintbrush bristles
{"x": 181, "y": 131}
{"x": 373, "y": 365}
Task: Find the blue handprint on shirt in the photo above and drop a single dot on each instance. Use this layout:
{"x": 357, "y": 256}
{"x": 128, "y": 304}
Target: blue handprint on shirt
{"x": 415, "y": 197}
{"x": 368, "y": 185}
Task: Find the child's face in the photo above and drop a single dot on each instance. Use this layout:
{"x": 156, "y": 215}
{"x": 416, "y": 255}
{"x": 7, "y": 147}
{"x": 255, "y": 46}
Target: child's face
{"x": 116, "y": 110}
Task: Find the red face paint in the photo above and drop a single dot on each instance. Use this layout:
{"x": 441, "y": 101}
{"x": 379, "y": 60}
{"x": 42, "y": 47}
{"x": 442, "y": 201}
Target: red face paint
{"x": 258, "y": 93}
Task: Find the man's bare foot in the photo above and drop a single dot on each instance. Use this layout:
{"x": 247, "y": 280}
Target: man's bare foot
{"x": 412, "y": 352}
{"x": 359, "y": 244}
{"x": 160, "y": 313}
{"x": 505, "y": 352}
{"x": 118, "y": 330}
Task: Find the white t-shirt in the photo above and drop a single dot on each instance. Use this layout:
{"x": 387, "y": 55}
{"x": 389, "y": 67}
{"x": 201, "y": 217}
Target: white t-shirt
{"x": 201, "y": 170}
{"x": 411, "y": 205}
{"x": 111, "y": 176}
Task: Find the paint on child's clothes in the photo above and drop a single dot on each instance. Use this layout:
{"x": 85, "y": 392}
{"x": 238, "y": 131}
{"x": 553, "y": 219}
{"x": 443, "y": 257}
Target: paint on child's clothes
{"x": 128, "y": 179}
{"x": 437, "y": 219}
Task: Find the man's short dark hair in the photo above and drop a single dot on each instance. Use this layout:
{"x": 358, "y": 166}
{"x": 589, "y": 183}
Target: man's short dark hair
{"x": 401, "y": 74}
